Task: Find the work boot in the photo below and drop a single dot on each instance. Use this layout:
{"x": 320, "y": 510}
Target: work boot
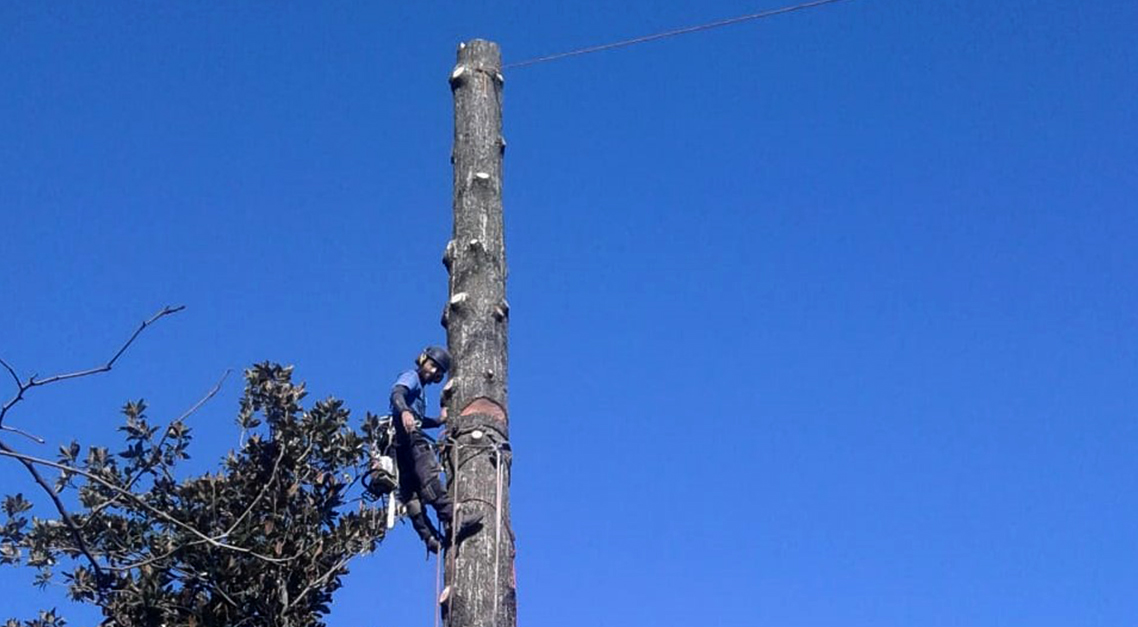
{"x": 433, "y": 546}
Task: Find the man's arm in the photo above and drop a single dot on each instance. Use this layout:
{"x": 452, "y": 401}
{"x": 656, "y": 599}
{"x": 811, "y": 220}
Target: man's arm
{"x": 431, "y": 423}
{"x": 399, "y": 403}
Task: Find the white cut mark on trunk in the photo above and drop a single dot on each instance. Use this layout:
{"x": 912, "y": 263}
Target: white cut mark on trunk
{"x": 448, "y": 253}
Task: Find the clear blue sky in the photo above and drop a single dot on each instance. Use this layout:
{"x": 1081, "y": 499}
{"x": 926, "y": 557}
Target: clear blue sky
{"x": 828, "y": 319}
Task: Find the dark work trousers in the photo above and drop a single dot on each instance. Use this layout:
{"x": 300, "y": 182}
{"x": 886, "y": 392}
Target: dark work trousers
{"x": 419, "y": 479}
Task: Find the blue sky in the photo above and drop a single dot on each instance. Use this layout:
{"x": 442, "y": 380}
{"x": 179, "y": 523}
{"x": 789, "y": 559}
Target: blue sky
{"x": 828, "y": 319}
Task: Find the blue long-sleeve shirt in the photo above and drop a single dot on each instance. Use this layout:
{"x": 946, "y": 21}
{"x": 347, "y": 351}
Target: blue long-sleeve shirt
{"x": 408, "y": 394}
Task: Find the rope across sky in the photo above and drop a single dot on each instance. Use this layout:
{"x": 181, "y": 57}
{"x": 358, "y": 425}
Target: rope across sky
{"x": 671, "y": 33}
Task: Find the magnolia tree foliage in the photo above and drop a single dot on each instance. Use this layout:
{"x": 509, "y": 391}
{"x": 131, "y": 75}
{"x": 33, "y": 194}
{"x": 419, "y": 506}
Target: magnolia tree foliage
{"x": 264, "y": 541}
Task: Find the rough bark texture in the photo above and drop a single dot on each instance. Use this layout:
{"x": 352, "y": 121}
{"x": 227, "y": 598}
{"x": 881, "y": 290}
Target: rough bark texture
{"x": 480, "y": 570}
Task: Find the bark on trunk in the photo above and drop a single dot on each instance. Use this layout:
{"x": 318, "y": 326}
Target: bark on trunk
{"x": 480, "y": 570}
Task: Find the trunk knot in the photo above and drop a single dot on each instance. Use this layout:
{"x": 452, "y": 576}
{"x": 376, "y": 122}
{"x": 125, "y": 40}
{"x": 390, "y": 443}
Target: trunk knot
{"x": 448, "y": 254}
{"x": 502, "y": 310}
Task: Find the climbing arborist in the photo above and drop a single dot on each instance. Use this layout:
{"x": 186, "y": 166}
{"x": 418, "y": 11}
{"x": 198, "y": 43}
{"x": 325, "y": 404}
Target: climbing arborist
{"x": 419, "y": 474}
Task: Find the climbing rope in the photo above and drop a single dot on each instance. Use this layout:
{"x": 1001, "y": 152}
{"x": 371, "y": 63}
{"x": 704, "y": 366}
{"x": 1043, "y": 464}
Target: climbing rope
{"x": 497, "y": 525}
{"x": 453, "y": 450}
{"x": 438, "y": 591}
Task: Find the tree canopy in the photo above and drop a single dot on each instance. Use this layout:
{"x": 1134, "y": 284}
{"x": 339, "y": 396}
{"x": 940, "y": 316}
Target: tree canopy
{"x": 262, "y": 542}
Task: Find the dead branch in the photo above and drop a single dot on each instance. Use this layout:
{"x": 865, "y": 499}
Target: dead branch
{"x": 213, "y": 392}
{"x": 32, "y": 382}
{"x": 34, "y": 438}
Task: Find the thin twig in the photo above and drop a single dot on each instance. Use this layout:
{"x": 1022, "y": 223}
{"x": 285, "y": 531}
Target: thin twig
{"x": 165, "y": 312}
{"x": 110, "y": 364}
{"x": 185, "y": 415}
{"x": 155, "y": 558}
{"x": 11, "y": 371}
{"x": 213, "y": 392}
{"x": 34, "y": 438}
{"x": 228, "y": 599}
{"x": 33, "y": 382}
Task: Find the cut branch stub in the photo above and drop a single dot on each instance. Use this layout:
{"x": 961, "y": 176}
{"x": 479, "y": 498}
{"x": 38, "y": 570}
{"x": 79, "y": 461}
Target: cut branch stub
{"x": 502, "y": 310}
{"x": 448, "y": 254}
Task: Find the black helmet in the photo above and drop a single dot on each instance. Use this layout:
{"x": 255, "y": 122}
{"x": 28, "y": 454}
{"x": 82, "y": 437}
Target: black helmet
{"x": 440, "y": 356}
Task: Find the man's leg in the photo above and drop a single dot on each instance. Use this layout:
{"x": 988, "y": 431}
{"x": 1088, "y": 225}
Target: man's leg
{"x": 433, "y": 492}
{"x": 431, "y": 487}
{"x": 409, "y": 495}
{"x": 422, "y": 525}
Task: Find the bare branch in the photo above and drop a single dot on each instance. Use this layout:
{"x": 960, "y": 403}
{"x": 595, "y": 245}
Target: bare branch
{"x": 110, "y": 364}
{"x": 15, "y": 399}
{"x": 167, "y": 310}
{"x": 212, "y": 541}
{"x": 35, "y": 438}
{"x": 33, "y": 382}
{"x": 155, "y": 558}
{"x": 213, "y": 392}
{"x": 11, "y": 371}
{"x": 228, "y": 599}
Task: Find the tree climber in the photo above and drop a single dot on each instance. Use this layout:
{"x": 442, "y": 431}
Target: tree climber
{"x": 419, "y": 480}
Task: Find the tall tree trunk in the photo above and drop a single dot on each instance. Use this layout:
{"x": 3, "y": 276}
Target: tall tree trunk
{"x": 480, "y": 569}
